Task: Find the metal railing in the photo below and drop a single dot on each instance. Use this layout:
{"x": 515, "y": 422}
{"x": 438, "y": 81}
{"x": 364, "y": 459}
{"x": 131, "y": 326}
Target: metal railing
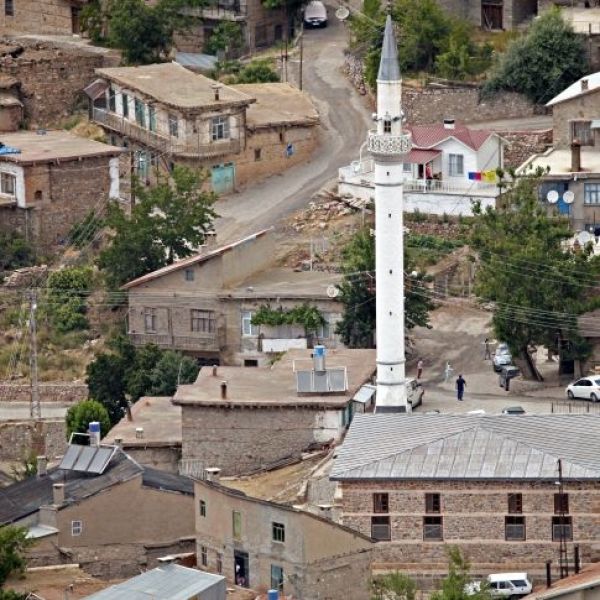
{"x": 439, "y": 185}
{"x": 192, "y": 467}
{"x": 160, "y": 142}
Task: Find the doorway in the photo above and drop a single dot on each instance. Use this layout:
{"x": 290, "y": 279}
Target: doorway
{"x": 223, "y": 178}
{"x": 492, "y": 14}
{"x": 242, "y": 568}
{"x": 75, "y": 23}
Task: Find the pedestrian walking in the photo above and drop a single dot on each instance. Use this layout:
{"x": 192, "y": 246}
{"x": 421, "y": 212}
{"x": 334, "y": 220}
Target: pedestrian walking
{"x": 461, "y": 384}
{"x": 420, "y": 368}
{"x": 447, "y": 372}
{"x": 487, "y": 355}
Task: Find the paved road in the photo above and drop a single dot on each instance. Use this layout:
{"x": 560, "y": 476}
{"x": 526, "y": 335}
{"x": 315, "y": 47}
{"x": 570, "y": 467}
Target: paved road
{"x": 20, "y": 410}
{"x": 345, "y": 120}
{"x": 537, "y": 123}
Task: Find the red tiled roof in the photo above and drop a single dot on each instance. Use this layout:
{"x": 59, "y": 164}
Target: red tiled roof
{"x": 428, "y": 136}
{"x": 421, "y": 157}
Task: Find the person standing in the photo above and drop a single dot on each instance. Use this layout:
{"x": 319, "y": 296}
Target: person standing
{"x": 487, "y": 355}
{"x": 460, "y": 387}
{"x": 420, "y": 368}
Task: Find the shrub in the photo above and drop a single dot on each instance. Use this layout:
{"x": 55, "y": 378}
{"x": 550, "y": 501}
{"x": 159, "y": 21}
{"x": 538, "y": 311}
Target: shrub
{"x": 83, "y": 413}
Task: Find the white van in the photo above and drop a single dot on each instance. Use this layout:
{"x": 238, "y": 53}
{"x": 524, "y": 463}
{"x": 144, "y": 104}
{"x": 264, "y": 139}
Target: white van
{"x": 315, "y": 14}
{"x": 504, "y": 585}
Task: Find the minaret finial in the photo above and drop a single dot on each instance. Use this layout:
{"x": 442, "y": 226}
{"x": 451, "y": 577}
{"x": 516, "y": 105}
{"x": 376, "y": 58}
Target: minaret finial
{"x": 389, "y": 70}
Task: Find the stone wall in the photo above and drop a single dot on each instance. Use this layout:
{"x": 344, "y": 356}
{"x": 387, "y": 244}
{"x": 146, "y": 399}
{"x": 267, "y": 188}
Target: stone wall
{"x": 39, "y": 16}
{"x": 522, "y": 144}
{"x": 42, "y": 436}
{"x": 59, "y": 393}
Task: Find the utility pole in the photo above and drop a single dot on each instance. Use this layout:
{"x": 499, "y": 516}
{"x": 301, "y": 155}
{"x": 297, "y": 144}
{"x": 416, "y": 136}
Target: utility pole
{"x": 301, "y": 54}
{"x": 563, "y": 558}
{"x": 35, "y": 409}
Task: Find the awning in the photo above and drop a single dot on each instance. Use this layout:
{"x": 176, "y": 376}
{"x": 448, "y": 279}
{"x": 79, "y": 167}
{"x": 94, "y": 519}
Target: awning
{"x": 365, "y": 394}
{"x": 9, "y": 100}
{"x": 96, "y": 89}
{"x": 421, "y": 157}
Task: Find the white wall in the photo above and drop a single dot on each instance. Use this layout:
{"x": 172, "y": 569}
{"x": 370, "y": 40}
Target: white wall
{"x": 453, "y": 146}
{"x": 439, "y": 203}
{"x": 489, "y": 156}
{"x": 18, "y": 172}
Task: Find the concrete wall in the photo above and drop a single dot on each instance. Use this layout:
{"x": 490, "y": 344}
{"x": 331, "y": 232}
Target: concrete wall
{"x": 240, "y": 440}
{"x": 319, "y": 559}
{"x": 41, "y": 436}
{"x": 163, "y": 458}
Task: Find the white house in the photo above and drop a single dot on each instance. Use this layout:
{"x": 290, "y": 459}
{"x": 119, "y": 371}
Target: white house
{"x": 449, "y": 167}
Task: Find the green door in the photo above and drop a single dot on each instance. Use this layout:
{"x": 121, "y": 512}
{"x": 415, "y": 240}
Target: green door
{"x": 223, "y": 178}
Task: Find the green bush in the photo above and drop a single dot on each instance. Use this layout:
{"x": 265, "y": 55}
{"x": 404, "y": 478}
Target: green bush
{"x": 66, "y": 298}
{"x": 13, "y": 544}
{"x": 80, "y": 415}
{"x": 82, "y": 233}
{"x": 15, "y": 252}
{"x": 257, "y": 71}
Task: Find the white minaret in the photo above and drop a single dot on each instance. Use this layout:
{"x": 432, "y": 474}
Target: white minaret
{"x": 388, "y": 144}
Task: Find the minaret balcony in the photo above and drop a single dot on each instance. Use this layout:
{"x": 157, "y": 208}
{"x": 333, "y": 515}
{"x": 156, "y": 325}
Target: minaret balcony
{"x": 387, "y": 144}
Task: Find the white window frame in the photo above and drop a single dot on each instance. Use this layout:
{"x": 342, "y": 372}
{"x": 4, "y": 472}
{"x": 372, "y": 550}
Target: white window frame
{"x": 173, "y": 125}
{"x": 149, "y": 317}
{"x": 248, "y": 330}
{"x": 220, "y": 129}
{"x": 456, "y": 165}
{"x": 202, "y": 320}
{"x": 407, "y": 168}
{"x": 8, "y": 184}
{"x": 76, "y": 528}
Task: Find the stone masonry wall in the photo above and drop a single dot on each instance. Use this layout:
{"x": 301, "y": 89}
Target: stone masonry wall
{"x": 522, "y": 144}
{"x": 60, "y": 393}
{"x": 38, "y": 16}
{"x": 239, "y": 440}
{"x": 42, "y": 436}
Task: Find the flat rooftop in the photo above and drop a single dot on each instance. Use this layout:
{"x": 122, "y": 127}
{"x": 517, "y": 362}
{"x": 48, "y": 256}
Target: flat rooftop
{"x": 174, "y": 85}
{"x": 51, "y": 146}
{"x": 276, "y": 385}
{"x": 160, "y": 419}
{"x": 559, "y": 162}
{"x": 278, "y": 104}
{"x": 281, "y": 282}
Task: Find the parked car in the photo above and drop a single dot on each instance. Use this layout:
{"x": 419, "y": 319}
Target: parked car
{"x": 315, "y": 14}
{"x": 513, "y": 410}
{"x": 506, "y": 374}
{"x": 501, "y": 358}
{"x": 587, "y": 388}
{"x": 503, "y": 585}
{"x": 414, "y": 392}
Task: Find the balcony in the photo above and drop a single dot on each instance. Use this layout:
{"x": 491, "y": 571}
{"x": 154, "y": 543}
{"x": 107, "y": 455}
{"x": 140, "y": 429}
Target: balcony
{"x": 162, "y": 143}
{"x": 388, "y": 145}
{"x": 197, "y": 343}
{"x": 220, "y": 10}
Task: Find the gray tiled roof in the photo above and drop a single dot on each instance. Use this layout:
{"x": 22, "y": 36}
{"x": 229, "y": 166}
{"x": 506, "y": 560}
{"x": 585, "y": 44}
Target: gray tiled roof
{"x": 398, "y": 446}
{"x": 389, "y": 69}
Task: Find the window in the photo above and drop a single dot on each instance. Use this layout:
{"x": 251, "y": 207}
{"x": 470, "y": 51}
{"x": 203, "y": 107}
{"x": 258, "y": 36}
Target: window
{"x": 433, "y": 503}
{"x": 433, "y": 528}
{"x": 189, "y": 274}
{"x": 514, "y": 529}
{"x": 387, "y": 126}
{"x": 561, "y": 503}
{"x": 247, "y": 328}
{"x": 219, "y": 562}
{"x": 9, "y": 8}
{"x": 515, "y": 503}
{"x": 277, "y": 578}
{"x": 140, "y": 112}
{"x": 38, "y": 195}
{"x": 150, "y": 320}
{"x": 8, "y": 184}
{"x": 381, "y": 503}
{"x": 278, "y": 532}
{"x": 581, "y": 131}
{"x": 220, "y": 128}
{"x": 125, "y": 104}
{"x": 380, "y": 529}
{"x": 562, "y": 528}
{"x": 151, "y": 118}
{"x": 278, "y": 33}
{"x": 324, "y": 331}
{"x": 407, "y": 167}
{"x": 173, "y": 126}
{"x": 203, "y": 321}
{"x": 455, "y": 165}
{"x": 112, "y": 100}
{"x": 591, "y": 193}
{"x": 237, "y": 525}
{"x": 76, "y": 528}
{"x": 250, "y": 362}
{"x": 202, "y": 506}
{"x": 257, "y": 154}
{"x": 204, "y": 556}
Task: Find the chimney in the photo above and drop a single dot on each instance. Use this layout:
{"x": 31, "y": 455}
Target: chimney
{"x": 585, "y": 85}
{"x": 216, "y": 87}
{"x": 214, "y": 370}
{"x": 42, "y": 466}
{"x": 139, "y": 433}
{"x": 119, "y": 442}
{"x": 575, "y": 156}
{"x": 223, "y": 390}
{"x": 94, "y": 431}
{"x": 58, "y": 494}
{"x": 319, "y": 359}
{"x": 449, "y": 123}
{"x": 325, "y": 510}
{"x": 212, "y": 474}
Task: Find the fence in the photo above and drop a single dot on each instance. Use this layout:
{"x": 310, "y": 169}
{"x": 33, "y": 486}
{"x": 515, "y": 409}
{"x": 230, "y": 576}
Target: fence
{"x": 576, "y": 407}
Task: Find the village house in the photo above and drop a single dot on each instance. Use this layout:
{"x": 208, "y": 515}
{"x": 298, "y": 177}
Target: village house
{"x": 53, "y": 17}
{"x": 50, "y": 180}
{"x": 169, "y": 115}
{"x": 264, "y": 545}
{"x": 505, "y": 490}
{"x": 242, "y": 419}
{"x": 493, "y": 14}
{"x": 449, "y": 167}
{"x": 203, "y": 305}
{"x": 101, "y": 509}
{"x": 583, "y": 585}
{"x": 572, "y": 165}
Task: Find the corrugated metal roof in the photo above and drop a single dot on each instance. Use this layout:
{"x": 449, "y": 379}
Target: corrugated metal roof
{"x": 365, "y": 393}
{"x": 398, "y": 446}
{"x": 168, "y": 582}
{"x": 194, "y": 61}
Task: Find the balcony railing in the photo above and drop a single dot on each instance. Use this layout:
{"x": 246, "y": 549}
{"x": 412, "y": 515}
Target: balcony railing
{"x": 205, "y": 343}
{"x": 387, "y": 144}
{"x": 219, "y": 9}
{"x": 162, "y": 143}
{"x": 439, "y": 185}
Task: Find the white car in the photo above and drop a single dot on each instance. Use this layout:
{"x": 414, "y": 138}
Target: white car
{"x": 503, "y": 585}
{"x": 587, "y": 388}
{"x": 501, "y": 358}
{"x": 315, "y": 14}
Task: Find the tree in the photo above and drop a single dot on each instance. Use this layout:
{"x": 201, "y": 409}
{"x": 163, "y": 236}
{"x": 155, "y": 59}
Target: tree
{"x": 170, "y": 221}
{"x": 15, "y": 252}
{"x": 257, "y": 71}
{"x": 538, "y": 287}
{"x": 80, "y": 415}
{"x": 358, "y": 293}
{"x": 542, "y": 63}
{"x": 171, "y": 370}
{"x": 393, "y": 586}
{"x": 227, "y": 36}
{"x": 106, "y": 384}
{"x": 13, "y": 544}
{"x": 457, "y": 585}
{"x": 66, "y": 298}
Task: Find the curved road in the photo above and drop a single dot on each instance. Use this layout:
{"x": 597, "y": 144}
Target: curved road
{"x": 344, "y": 122}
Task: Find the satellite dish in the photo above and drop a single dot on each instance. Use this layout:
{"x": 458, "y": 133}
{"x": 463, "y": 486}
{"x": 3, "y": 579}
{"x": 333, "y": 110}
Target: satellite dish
{"x": 332, "y": 291}
{"x": 552, "y": 196}
{"x": 568, "y": 197}
{"x": 342, "y": 13}
{"x": 584, "y": 238}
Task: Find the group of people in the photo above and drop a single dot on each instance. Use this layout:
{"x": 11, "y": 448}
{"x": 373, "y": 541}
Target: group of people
{"x": 461, "y": 383}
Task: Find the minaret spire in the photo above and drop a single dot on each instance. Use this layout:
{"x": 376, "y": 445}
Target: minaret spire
{"x": 388, "y": 145}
